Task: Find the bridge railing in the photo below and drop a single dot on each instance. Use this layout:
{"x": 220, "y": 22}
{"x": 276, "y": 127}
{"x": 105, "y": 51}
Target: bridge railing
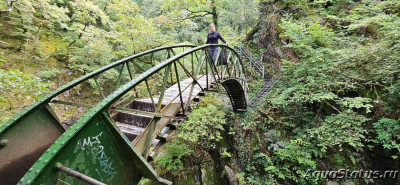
{"x": 35, "y": 128}
{"x": 96, "y": 128}
{"x": 253, "y": 61}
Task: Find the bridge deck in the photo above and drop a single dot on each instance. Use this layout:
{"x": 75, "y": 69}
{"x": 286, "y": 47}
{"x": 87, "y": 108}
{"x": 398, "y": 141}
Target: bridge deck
{"x": 136, "y": 120}
{"x": 171, "y": 94}
{"x": 100, "y": 128}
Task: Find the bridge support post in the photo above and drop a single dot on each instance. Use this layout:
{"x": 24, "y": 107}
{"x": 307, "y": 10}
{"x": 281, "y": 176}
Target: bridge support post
{"x": 251, "y": 58}
{"x": 179, "y": 88}
{"x": 207, "y": 72}
{"x": 263, "y": 72}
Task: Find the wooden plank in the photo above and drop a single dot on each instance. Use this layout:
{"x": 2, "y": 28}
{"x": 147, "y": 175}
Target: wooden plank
{"x": 130, "y": 129}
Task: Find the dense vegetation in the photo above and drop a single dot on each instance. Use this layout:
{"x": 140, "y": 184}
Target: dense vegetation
{"x": 335, "y": 106}
{"x": 59, "y": 40}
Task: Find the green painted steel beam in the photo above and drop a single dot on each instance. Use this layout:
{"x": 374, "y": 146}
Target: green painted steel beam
{"x": 70, "y": 148}
{"x": 39, "y": 121}
{"x": 125, "y": 88}
{"x": 77, "y": 81}
{"x": 96, "y": 147}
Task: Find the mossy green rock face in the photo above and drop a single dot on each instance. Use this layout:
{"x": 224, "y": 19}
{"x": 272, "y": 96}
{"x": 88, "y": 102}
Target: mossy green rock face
{"x": 188, "y": 178}
{"x": 194, "y": 175}
{"x": 208, "y": 175}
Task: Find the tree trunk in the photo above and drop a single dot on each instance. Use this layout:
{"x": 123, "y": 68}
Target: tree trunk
{"x": 214, "y": 13}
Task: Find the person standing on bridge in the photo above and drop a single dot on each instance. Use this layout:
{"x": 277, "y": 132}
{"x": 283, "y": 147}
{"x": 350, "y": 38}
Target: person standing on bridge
{"x": 212, "y": 38}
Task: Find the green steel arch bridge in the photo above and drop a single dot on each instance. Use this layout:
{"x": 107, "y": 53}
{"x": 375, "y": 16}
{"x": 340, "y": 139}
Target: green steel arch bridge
{"x": 110, "y": 140}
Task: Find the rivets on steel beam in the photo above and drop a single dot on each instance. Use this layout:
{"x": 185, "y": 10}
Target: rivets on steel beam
{"x": 3, "y": 142}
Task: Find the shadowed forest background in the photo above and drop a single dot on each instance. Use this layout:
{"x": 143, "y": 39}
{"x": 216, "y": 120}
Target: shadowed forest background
{"x": 336, "y": 104}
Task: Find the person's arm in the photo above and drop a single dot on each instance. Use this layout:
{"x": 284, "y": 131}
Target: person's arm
{"x": 208, "y": 40}
{"x": 220, "y": 37}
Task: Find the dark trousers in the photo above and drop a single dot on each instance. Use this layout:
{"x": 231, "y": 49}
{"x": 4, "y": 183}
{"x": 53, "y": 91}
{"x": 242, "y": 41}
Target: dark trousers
{"x": 213, "y": 52}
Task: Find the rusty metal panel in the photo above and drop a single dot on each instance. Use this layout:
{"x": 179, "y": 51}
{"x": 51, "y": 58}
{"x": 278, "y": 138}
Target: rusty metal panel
{"x": 25, "y": 141}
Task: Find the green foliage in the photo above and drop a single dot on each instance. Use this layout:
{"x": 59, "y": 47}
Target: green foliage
{"x": 21, "y": 85}
{"x": 49, "y": 74}
{"x": 192, "y": 18}
{"x": 388, "y": 134}
{"x": 289, "y": 163}
{"x": 306, "y": 38}
{"x": 18, "y": 90}
{"x": 343, "y": 89}
{"x": 210, "y": 100}
{"x": 339, "y": 129}
{"x": 259, "y": 170}
{"x": 293, "y": 161}
{"x": 342, "y": 78}
{"x": 205, "y": 124}
{"x": 226, "y": 154}
{"x": 171, "y": 160}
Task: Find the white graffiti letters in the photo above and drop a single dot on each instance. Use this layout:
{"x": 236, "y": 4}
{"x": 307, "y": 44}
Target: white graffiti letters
{"x": 97, "y": 151}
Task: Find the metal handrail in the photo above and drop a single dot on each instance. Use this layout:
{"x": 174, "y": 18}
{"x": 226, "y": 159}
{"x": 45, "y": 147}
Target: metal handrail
{"x": 101, "y": 108}
{"x": 253, "y": 61}
{"x": 124, "y": 89}
{"x": 81, "y": 79}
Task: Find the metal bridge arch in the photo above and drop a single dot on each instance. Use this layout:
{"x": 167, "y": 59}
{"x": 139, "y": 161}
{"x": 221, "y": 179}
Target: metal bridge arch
{"x": 98, "y": 120}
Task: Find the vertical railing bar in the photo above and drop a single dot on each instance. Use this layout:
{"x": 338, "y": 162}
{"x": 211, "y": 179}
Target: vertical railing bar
{"x": 207, "y": 70}
{"x": 212, "y": 71}
{"x": 227, "y": 63}
{"x": 233, "y": 67}
{"x": 151, "y": 96}
{"x": 98, "y": 87}
{"x": 199, "y": 61}
{"x": 192, "y": 63}
{"x": 129, "y": 70}
{"x": 169, "y": 56}
{"x": 119, "y": 76}
{"x": 160, "y": 99}
{"x": 179, "y": 88}
{"x": 198, "y": 69}
{"x": 152, "y": 59}
{"x": 251, "y": 58}
{"x": 131, "y": 77}
{"x": 215, "y": 64}
{"x": 240, "y": 71}
{"x": 263, "y": 72}
{"x": 241, "y": 50}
